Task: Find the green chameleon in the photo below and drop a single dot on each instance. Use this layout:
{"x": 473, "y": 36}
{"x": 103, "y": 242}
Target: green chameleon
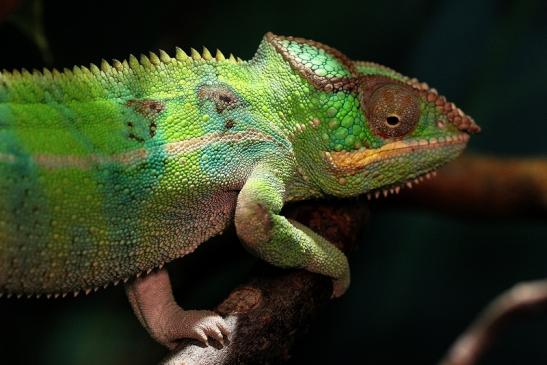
{"x": 109, "y": 173}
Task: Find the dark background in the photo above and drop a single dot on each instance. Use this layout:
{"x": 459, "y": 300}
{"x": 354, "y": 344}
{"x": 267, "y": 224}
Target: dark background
{"x": 419, "y": 277}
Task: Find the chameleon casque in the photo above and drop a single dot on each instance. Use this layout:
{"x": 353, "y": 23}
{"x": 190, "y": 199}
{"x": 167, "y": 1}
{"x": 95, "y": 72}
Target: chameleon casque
{"x": 110, "y": 172}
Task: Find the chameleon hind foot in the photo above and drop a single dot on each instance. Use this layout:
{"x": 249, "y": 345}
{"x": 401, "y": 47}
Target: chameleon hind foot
{"x": 154, "y": 305}
{"x": 175, "y": 324}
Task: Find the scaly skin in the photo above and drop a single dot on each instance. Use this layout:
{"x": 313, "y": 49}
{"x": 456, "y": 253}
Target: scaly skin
{"x": 107, "y": 173}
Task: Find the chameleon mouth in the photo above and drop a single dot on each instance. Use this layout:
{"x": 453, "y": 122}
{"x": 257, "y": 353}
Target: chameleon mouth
{"x": 354, "y": 161}
{"x": 395, "y": 189}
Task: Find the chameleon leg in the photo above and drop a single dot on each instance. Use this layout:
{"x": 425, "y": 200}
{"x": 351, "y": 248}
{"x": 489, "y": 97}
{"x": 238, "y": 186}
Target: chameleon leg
{"x": 279, "y": 241}
{"x": 155, "y": 307}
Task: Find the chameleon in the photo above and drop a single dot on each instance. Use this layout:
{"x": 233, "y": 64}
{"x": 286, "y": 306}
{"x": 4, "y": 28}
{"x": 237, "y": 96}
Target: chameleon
{"x": 109, "y": 172}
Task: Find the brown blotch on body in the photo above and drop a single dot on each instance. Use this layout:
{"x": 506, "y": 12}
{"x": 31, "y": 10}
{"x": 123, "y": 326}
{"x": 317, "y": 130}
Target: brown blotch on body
{"x": 146, "y": 107}
{"x": 222, "y": 97}
{"x": 149, "y": 109}
{"x": 152, "y": 128}
{"x": 229, "y": 124}
{"x": 132, "y": 134}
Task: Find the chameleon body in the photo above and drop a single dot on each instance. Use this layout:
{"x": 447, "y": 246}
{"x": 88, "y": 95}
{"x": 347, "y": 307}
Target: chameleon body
{"x": 108, "y": 172}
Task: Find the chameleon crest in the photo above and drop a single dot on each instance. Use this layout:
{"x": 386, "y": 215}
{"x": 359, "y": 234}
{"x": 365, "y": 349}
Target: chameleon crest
{"x": 110, "y": 172}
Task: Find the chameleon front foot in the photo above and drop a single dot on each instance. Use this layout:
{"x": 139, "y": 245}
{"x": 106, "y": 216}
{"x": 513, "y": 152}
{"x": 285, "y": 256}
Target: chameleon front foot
{"x": 155, "y": 307}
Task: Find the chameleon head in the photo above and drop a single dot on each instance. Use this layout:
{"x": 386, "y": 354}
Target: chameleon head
{"x": 376, "y": 128}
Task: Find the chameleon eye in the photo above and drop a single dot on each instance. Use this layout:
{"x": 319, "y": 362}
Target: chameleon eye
{"x": 393, "y": 111}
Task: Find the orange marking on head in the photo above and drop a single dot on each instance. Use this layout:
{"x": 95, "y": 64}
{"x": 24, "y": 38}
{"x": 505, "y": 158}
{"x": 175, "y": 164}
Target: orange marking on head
{"x": 353, "y": 161}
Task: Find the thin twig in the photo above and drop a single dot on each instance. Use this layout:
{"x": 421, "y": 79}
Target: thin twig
{"x": 523, "y": 298}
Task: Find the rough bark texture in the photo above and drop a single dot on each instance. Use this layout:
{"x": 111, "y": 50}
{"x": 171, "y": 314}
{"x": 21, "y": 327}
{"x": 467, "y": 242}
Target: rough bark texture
{"x": 267, "y": 313}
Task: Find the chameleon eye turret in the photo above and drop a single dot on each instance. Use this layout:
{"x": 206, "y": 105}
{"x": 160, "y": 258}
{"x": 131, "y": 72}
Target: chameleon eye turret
{"x": 392, "y": 109}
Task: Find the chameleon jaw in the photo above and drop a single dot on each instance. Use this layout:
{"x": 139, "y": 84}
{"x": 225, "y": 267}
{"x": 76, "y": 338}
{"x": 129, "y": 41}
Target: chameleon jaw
{"x": 354, "y": 161}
